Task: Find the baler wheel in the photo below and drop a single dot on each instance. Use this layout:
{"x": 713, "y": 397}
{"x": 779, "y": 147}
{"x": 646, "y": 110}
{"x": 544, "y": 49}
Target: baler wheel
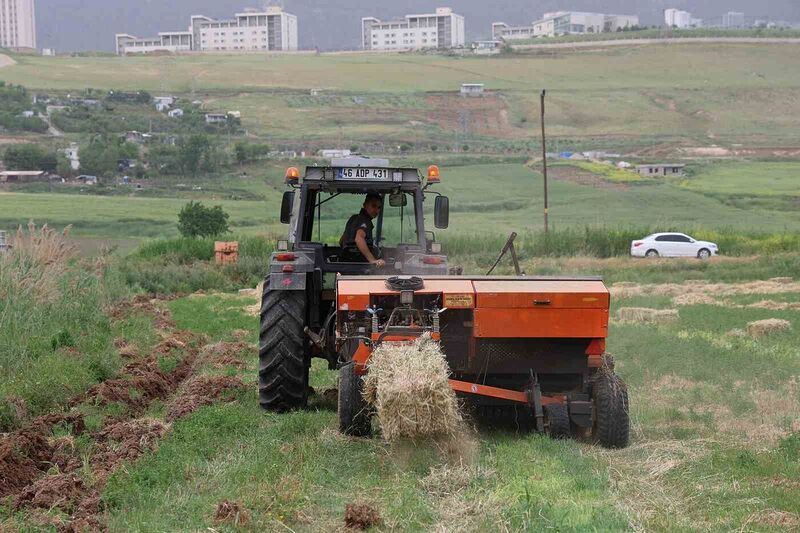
{"x": 354, "y": 416}
{"x": 611, "y": 419}
{"x": 282, "y": 368}
{"x": 557, "y": 420}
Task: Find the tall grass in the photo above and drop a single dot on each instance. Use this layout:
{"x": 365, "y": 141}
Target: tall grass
{"x": 612, "y": 242}
{"x": 184, "y": 265}
{"x": 55, "y": 338}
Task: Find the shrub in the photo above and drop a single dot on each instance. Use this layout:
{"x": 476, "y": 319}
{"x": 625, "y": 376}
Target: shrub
{"x": 197, "y": 220}
{"x": 29, "y": 157}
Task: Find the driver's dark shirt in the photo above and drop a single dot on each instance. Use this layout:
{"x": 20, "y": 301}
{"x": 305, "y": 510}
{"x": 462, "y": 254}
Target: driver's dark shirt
{"x": 355, "y": 223}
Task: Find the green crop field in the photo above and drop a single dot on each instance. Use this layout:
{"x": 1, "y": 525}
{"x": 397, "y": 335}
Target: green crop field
{"x": 486, "y": 199}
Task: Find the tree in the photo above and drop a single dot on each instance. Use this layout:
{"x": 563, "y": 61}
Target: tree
{"x": 197, "y": 220}
{"x": 29, "y": 157}
{"x": 191, "y": 153}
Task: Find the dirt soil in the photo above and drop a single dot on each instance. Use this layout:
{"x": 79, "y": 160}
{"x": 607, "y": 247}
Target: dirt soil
{"x": 143, "y": 381}
{"x": 200, "y": 391}
{"x": 361, "y": 516}
{"x": 144, "y": 304}
{"x": 487, "y": 115}
{"x": 124, "y": 441}
{"x": 222, "y": 354}
{"x": 63, "y": 491}
{"x": 233, "y": 512}
{"x": 27, "y": 453}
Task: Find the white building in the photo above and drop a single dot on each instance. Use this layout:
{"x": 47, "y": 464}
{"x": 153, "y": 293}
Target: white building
{"x": 442, "y": 29}
{"x": 471, "y": 89}
{"x": 733, "y": 19}
{"x": 565, "y": 23}
{"x": 675, "y": 18}
{"x": 175, "y": 113}
{"x": 17, "y": 24}
{"x": 252, "y": 30}
{"x": 72, "y": 156}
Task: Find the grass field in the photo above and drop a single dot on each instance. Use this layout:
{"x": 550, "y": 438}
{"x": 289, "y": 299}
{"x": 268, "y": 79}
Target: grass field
{"x": 486, "y": 199}
{"x": 640, "y": 94}
{"x": 714, "y": 447}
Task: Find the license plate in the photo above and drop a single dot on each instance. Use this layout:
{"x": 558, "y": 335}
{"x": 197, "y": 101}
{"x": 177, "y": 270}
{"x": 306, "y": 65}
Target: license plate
{"x": 360, "y": 173}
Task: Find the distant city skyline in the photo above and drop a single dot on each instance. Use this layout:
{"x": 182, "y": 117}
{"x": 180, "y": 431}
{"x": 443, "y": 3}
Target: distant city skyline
{"x": 76, "y": 25}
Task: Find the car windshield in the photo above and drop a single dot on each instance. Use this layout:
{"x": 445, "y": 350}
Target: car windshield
{"x": 394, "y": 225}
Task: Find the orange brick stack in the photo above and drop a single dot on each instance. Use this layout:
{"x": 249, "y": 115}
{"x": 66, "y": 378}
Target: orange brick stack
{"x": 226, "y": 252}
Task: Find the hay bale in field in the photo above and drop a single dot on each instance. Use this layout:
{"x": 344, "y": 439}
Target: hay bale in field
{"x": 694, "y": 298}
{"x": 760, "y": 328}
{"x": 646, "y": 315}
{"x": 407, "y": 383}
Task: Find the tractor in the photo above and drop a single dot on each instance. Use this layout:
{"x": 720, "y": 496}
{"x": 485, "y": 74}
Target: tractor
{"x": 531, "y": 343}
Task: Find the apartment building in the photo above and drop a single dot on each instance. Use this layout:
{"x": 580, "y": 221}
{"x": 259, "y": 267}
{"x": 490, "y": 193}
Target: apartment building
{"x": 250, "y": 31}
{"x": 565, "y": 23}
{"x": 676, "y": 18}
{"x": 17, "y": 24}
{"x": 442, "y": 29}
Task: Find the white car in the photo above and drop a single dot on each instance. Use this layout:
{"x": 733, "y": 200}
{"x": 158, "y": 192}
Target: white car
{"x": 672, "y": 245}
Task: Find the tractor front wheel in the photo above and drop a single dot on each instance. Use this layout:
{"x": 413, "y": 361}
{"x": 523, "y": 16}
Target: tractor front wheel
{"x": 611, "y": 419}
{"x": 283, "y": 366}
{"x": 354, "y": 416}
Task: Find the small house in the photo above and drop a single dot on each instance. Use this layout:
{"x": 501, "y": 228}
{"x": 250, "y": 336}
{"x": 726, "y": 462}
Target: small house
{"x": 487, "y": 47}
{"x": 330, "y": 154}
{"x": 175, "y": 113}
{"x": 235, "y": 114}
{"x": 72, "y": 156}
{"x": 22, "y": 176}
{"x": 471, "y": 89}
{"x": 166, "y": 100}
{"x": 28, "y": 114}
{"x": 216, "y": 118}
{"x": 660, "y": 170}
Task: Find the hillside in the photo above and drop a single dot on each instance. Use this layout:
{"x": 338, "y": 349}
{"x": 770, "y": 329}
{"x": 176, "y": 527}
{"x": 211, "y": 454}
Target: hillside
{"x": 633, "y": 96}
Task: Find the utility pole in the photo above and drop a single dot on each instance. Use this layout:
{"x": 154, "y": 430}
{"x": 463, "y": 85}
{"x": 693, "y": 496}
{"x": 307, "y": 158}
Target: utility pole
{"x": 544, "y": 164}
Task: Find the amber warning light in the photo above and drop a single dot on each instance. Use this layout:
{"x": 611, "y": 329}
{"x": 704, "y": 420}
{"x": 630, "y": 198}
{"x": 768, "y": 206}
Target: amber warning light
{"x": 433, "y": 174}
{"x": 292, "y": 174}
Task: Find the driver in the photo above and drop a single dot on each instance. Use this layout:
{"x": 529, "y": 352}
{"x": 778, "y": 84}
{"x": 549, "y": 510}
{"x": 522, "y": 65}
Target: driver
{"x": 358, "y": 231}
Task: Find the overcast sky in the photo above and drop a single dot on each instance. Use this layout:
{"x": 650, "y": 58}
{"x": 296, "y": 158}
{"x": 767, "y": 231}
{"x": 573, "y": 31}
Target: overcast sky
{"x": 72, "y": 25}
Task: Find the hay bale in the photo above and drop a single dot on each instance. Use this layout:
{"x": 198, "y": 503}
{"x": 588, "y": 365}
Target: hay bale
{"x": 760, "y": 328}
{"x": 407, "y": 384}
{"x": 646, "y": 315}
{"x": 694, "y": 298}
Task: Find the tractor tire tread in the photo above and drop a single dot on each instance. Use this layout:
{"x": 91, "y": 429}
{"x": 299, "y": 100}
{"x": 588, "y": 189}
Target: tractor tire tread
{"x": 354, "y": 416}
{"x": 612, "y": 419}
{"x": 283, "y": 366}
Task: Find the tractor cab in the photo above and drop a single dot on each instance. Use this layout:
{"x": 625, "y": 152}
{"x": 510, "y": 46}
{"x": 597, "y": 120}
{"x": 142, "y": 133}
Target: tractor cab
{"x": 319, "y": 204}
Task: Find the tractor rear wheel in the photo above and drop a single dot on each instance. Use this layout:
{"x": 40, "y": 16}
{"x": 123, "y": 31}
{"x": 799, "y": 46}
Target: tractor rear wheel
{"x": 557, "y": 420}
{"x": 283, "y": 365}
{"x": 354, "y": 416}
{"x": 611, "y": 419}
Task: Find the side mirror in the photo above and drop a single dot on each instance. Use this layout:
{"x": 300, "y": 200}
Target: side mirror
{"x": 398, "y": 199}
{"x": 286, "y": 207}
{"x": 441, "y": 212}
